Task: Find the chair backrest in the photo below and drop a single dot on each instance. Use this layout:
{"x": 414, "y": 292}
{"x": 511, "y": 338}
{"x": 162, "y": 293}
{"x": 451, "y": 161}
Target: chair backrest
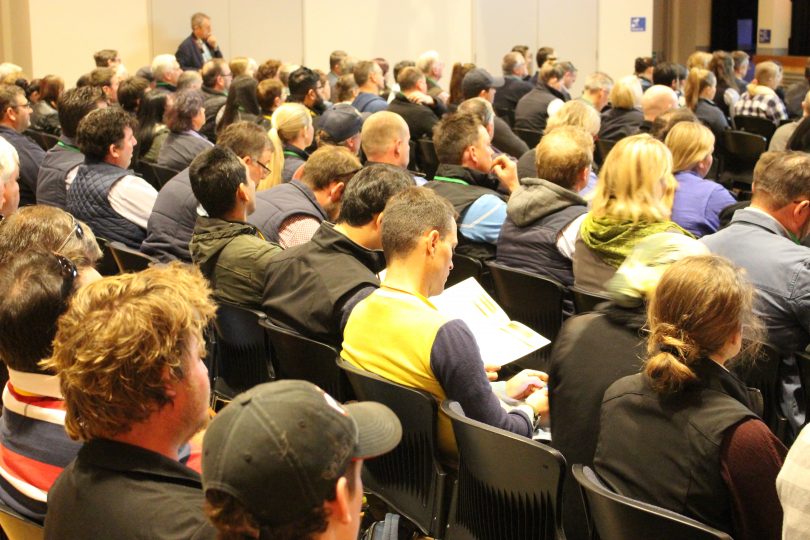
{"x": 410, "y": 478}
{"x": 585, "y": 300}
{"x": 529, "y": 136}
{"x": 533, "y": 300}
{"x": 506, "y": 114}
{"x": 603, "y": 148}
{"x": 153, "y": 173}
{"x": 763, "y": 375}
{"x": 742, "y": 149}
{"x": 242, "y": 355}
{"x": 299, "y": 357}
{"x": 803, "y": 363}
{"x": 106, "y": 266}
{"x": 46, "y": 141}
{"x": 128, "y": 259}
{"x": 426, "y": 157}
{"x": 18, "y": 527}
{"x": 509, "y": 487}
{"x": 616, "y": 517}
{"x": 755, "y": 124}
{"x": 464, "y": 267}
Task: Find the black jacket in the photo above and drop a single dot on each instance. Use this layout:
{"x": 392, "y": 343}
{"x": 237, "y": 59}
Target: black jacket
{"x": 420, "y": 118}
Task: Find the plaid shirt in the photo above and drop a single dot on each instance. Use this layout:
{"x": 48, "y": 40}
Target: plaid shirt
{"x": 767, "y": 106}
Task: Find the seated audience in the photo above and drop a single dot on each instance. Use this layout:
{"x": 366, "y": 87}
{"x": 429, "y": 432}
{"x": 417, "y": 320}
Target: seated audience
{"x": 340, "y": 126}
{"x": 217, "y": 78}
{"x": 683, "y": 433}
{"x": 544, "y": 214}
{"x": 243, "y": 65}
{"x": 306, "y": 88}
{"x": 595, "y": 349}
{"x": 657, "y": 100}
{"x": 469, "y": 178}
{"x": 131, "y": 93}
{"x": 784, "y": 133}
{"x": 727, "y": 94}
{"x": 666, "y": 74}
{"x": 9, "y": 172}
{"x": 741, "y": 61}
{"x": 796, "y": 92}
{"x": 15, "y": 117}
{"x": 184, "y": 117}
{"x": 293, "y": 212}
{"x": 152, "y": 132}
{"x": 455, "y": 95}
{"x": 533, "y": 109}
{"x": 644, "y": 67}
{"x": 597, "y": 90}
{"x": 633, "y": 199}
{"x": 397, "y": 333}
{"x": 429, "y": 64}
{"x": 386, "y": 139}
{"x": 569, "y": 78}
{"x": 792, "y": 487}
{"x": 107, "y": 58}
{"x": 477, "y": 83}
{"x": 44, "y": 116}
{"x": 514, "y": 87}
{"x": 544, "y": 55}
{"x": 759, "y": 98}
{"x": 624, "y": 116}
{"x": 414, "y": 105}
{"x": 104, "y": 193}
{"x": 176, "y": 209}
{"x": 270, "y": 95}
{"x": 335, "y": 68}
{"x": 291, "y": 134}
{"x": 230, "y": 253}
{"x": 136, "y": 390}
{"x": 701, "y": 87}
{"x": 765, "y": 239}
{"x": 370, "y": 81}
{"x": 313, "y": 287}
{"x": 246, "y": 449}
{"x": 62, "y": 161}
{"x": 165, "y": 70}
{"x": 662, "y": 125}
{"x": 200, "y": 47}
{"x": 241, "y": 104}
{"x": 189, "y": 80}
{"x": 108, "y": 80}
{"x": 698, "y": 202}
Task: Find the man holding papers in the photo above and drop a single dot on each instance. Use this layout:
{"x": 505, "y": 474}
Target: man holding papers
{"x": 399, "y": 334}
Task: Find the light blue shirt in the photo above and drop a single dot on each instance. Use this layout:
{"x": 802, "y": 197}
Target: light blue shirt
{"x": 483, "y": 220}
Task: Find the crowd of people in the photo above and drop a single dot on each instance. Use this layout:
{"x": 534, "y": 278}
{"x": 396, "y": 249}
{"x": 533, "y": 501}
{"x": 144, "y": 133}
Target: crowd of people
{"x": 294, "y": 188}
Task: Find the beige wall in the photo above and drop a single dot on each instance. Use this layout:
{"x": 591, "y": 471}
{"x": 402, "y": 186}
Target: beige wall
{"x": 617, "y": 46}
{"x": 775, "y": 15}
{"x": 689, "y": 28}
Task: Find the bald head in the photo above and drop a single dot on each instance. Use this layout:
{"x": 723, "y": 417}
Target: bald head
{"x": 385, "y": 139}
{"x": 657, "y": 100}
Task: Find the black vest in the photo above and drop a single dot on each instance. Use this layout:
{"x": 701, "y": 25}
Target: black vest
{"x": 461, "y": 196}
{"x": 171, "y": 223}
{"x": 55, "y": 166}
{"x": 87, "y": 199}
{"x": 283, "y": 201}
{"x": 665, "y": 450}
{"x": 534, "y": 248}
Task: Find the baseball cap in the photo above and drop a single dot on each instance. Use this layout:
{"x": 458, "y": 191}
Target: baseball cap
{"x": 280, "y": 447}
{"x": 341, "y": 122}
{"x": 641, "y": 271}
{"x": 478, "y": 79}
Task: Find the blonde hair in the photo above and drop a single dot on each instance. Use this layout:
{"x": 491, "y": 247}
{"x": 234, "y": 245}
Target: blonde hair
{"x": 765, "y": 73}
{"x": 699, "y": 59}
{"x": 636, "y": 181}
{"x": 699, "y": 304}
{"x": 690, "y": 143}
{"x": 626, "y": 94}
{"x": 287, "y": 121}
{"x": 697, "y": 80}
{"x": 118, "y": 340}
{"x": 578, "y": 114}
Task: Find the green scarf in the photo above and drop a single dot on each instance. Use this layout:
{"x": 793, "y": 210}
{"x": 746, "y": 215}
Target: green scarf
{"x": 613, "y": 239}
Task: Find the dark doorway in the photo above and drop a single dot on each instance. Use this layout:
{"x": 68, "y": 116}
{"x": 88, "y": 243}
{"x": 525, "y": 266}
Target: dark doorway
{"x": 734, "y": 24}
{"x": 799, "y": 42}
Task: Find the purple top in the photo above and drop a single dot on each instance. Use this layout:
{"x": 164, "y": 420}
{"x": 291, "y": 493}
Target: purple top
{"x": 698, "y": 203}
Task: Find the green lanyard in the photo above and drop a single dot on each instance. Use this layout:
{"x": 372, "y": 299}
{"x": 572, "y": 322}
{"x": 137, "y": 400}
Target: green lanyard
{"x": 451, "y": 180}
{"x": 67, "y": 146}
{"x": 291, "y": 153}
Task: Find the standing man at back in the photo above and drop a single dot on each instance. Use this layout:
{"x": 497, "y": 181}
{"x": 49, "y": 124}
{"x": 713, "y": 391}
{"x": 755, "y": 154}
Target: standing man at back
{"x": 200, "y": 47}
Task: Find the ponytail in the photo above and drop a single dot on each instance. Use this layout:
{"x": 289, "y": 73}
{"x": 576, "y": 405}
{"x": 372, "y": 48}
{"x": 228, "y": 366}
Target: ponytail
{"x": 274, "y": 178}
{"x": 668, "y": 368}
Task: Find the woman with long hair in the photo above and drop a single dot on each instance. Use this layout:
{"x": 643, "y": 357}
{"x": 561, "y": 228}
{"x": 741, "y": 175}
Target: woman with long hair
{"x": 44, "y": 116}
{"x": 242, "y": 103}
{"x": 701, "y": 87}
{"x": 683, "y": 433}
{"x": 456, "y": 78}
{"x": 727, "y": 94}
{"x": 291, "y": 134}
{"x": 632, "y": 200}
{"x": 152, "y": 132}
{"x": 698, "y": 202}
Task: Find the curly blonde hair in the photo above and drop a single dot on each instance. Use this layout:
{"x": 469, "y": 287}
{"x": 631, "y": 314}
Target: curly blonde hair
{"x": 117, "y": 341}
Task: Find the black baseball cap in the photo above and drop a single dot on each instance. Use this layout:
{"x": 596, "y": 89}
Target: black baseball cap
{"x": 341, "y": 122}
{"x": 478, "y": 79}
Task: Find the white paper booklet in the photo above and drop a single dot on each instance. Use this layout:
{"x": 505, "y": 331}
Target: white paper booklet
{"x": 500, "y": 340}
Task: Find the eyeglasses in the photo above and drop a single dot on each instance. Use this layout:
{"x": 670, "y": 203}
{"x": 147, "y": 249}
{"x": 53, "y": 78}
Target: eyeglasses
{"x": 76, "y": 229}
{"x": 69, "y": 274}
{"x": 263, "y": 166}
{"x": 26, "y": 105}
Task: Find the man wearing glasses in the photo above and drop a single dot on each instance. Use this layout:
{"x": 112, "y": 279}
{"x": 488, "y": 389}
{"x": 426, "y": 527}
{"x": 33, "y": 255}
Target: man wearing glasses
{"x": 15, "y": 117}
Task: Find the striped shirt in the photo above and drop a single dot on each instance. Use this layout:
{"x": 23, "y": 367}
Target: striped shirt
{"x": 793, "y": 486}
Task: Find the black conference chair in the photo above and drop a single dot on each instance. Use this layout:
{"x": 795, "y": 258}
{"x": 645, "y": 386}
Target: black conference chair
{"x": 506, "y": 114}
{"x": 509, "y": 487}
{"x": 755, "y": 124}
{"x": 106, "y": 265}
{"x": 426, "y": 157}
{"x": 46, "y": 141}
{"x": 18, "y": 527}
{"x": 410, "y": 478}
{"x": 585, "y": 300}
{"x": 299, "y": 357}
{"x": 128, "y": 259}
{"x": 615, "y": 517}
{"x": 529, "y": 136}
{"x": 464, "y": 267}
{"x": 603, "y": 148}
{"x": 241, "y": 352}
{"x": 763, "y": 374}
{"x": 742, "y": 151}
{"x": 803, "y": 363}
{"x": 153, "y": 173}
{"x": 533, "y": 300}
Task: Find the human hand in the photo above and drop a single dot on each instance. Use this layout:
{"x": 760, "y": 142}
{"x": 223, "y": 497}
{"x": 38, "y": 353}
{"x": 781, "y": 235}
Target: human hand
{"x": 538, "y": 401}
{"x": 212, "y": 42}
{"x": 492, "y": 371}
{"x": 420, "y": 99}
{"x": 506, "y": 171}
{"x": 525, "y": 382}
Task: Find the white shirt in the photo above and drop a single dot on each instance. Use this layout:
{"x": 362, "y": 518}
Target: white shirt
{"x": 131, "y": 196}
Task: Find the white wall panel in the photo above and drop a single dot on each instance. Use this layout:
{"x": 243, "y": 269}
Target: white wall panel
{"x": 617, "y": 46}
